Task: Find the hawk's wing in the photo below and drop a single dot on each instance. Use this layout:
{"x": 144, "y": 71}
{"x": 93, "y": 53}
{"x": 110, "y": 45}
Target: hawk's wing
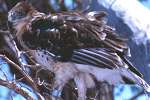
{"x": 67, "y": 31}
{"x": 62, "y": 33}
{"x": 103, "y": 58}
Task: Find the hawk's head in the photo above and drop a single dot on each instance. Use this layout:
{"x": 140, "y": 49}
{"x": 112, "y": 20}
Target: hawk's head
{"x": 20, "y": 11}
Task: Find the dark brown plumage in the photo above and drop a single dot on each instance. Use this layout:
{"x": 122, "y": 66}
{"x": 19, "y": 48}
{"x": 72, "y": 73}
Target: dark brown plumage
{"x": 71, "y": 37}
{"x": 64, "y": 32}
{"x": 61, "y": 33}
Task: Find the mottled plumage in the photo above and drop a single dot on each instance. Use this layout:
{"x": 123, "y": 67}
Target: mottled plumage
{"x": 75, "y": 41}
{"x": 63, "y": 32}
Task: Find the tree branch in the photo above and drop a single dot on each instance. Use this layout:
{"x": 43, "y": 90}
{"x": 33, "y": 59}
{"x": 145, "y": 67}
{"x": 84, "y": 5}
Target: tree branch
{"x": 13, "y": 86}
{"x": 26, "y": 76}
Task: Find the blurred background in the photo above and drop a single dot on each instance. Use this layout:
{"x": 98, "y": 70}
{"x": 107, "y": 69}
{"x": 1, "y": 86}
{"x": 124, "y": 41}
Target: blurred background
{"x": 140, "y": 51}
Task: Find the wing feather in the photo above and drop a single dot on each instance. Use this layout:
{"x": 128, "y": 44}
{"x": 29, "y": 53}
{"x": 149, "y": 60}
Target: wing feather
{"x": 99, "y": 57}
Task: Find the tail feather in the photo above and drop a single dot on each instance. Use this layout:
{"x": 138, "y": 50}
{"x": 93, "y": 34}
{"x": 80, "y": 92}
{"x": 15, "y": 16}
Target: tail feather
{"x": 131, "y": 67}
{"x": 97, "y": 57}
{"x": 135, "y": 78}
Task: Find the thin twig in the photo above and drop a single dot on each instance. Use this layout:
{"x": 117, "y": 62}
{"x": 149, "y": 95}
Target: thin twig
{"x": 13, "y": 86}
{"x": 18, "y": 68}
{"x": 12, "y": 44}
{"x": 26, "y": 76}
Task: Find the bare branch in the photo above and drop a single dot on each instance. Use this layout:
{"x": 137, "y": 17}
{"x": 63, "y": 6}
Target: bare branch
{"x": 26, "y": 76}
{"x": 13, "y": 86}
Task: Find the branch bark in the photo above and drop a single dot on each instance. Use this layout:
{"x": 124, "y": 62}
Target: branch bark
{"x": 26, "y": 76}
{"x": 13, "y": 86}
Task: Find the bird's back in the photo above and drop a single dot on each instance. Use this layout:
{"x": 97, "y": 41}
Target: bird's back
{"x": 61, "y": 33}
